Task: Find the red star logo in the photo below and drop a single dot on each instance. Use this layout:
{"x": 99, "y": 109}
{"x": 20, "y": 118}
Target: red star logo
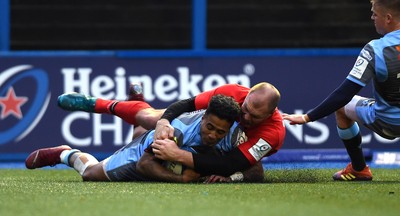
{"x": 11, "y": 104}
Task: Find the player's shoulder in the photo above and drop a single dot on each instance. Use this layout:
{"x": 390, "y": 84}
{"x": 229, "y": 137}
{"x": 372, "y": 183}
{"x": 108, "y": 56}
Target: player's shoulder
{"x": 189, "y": 117}
{"x": 390, "y": 39}
{"x": 236, "y": 86}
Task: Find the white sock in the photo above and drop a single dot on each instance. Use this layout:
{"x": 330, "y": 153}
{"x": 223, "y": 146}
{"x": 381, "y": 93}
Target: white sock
{"x": 83, "y": 161}
{"x": 64, "y": 156}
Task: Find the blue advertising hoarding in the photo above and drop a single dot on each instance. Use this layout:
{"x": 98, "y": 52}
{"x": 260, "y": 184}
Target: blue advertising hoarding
{"x": 29, "y": 87}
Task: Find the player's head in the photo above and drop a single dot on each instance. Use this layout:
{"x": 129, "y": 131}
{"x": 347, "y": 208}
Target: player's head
{"x": 386, "y": 15}
{"x": 259, "y": 104}
{"x": 221, "y": 113}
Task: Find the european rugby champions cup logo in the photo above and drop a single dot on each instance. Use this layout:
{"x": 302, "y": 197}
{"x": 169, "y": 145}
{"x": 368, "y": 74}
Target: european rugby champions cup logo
{"x": 24, "y": 98}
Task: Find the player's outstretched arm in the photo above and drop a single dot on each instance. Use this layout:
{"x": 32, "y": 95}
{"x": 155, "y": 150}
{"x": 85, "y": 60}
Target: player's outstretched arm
{"x": 163, "y": 129}
{"x": 296, "y": 118}
{"x": 226, "y": 165}
{"x": 255, "y": 174}
{"x": 168, "y": 150}
{"x": 151, "y": 167}
{"x": 336, "y": 100}
{"x": 204, "y": 164}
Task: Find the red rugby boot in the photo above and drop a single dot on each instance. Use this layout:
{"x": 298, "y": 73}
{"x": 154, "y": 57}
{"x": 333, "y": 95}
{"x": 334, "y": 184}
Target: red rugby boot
{"x": 45, "y": 157}
{"x": 349, "y": 174}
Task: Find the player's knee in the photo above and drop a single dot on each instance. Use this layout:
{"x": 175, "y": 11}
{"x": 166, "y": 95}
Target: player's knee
{"x": 341, "y": 118}
{"x": 88, "y": 175}
{"x": 94, "y": 173}
{"x": 340, "y": 112}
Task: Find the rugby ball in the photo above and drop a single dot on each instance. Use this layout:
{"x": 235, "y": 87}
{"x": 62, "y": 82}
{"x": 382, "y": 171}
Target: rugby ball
{"x": 175, "y": 167}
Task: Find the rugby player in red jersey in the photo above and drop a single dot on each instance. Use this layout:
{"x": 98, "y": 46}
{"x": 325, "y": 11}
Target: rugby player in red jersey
{"x": 260, "y": 118}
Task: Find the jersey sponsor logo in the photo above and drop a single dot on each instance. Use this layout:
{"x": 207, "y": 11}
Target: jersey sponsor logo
{"x": 22, "y": 107}
{"x": 260, "y": 149}
{"x": 359, "y": 67}
{"x": 366, "y": 54}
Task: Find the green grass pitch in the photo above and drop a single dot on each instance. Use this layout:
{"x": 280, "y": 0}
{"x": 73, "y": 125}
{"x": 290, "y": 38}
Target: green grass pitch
{"x": 286, "y": 192}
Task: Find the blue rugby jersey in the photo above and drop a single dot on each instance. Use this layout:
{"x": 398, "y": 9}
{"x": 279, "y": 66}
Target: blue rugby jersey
{"x": 187, "y": 133}
{"x": 379, "y": 61}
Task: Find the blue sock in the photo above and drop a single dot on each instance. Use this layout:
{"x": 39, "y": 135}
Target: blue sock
{"x": 351, "y": 138}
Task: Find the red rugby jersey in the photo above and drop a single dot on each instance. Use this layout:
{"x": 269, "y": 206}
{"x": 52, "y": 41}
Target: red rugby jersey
{"x": 263, "y": 140}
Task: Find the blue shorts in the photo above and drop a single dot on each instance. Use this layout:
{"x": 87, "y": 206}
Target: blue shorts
{"x": 362, "y": 110}
{"x": 121, "y": 166}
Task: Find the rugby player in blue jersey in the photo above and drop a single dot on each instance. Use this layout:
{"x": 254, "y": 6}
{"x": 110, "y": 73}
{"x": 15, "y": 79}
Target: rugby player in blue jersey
{"x": 378, "y": 61}
{"x": 208, "y": 131}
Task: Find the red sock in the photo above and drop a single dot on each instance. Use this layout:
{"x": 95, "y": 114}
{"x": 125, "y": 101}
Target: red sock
{"x": 126, "y": 110}
{"x": 102, "y": 106}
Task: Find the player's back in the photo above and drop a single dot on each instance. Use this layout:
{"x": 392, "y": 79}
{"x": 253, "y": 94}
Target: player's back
{"x": 386, "y": 82}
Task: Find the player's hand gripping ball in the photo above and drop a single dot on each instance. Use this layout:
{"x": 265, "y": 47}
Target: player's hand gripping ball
{"x": 175, "y": 167}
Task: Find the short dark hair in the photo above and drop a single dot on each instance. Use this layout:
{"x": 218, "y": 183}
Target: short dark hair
{"x": 224, "y": 107}
{"x": 392, "y": 5}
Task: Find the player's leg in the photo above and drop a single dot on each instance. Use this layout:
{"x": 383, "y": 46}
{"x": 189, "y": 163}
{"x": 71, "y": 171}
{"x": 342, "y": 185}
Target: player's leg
{"x": 147, "y": 118}
{"x": 85, "y": 164}
{"x": 92, "y": 170}
{"x": 81, "y": 162}
{"x": 349, "y": 131}
{"x": 95, "y": 173}
{"x": 137, "y": 113}
{"x": 74, "y": 101}
{"x": 121, "y": 166}
{"x": 132, "y": 112}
